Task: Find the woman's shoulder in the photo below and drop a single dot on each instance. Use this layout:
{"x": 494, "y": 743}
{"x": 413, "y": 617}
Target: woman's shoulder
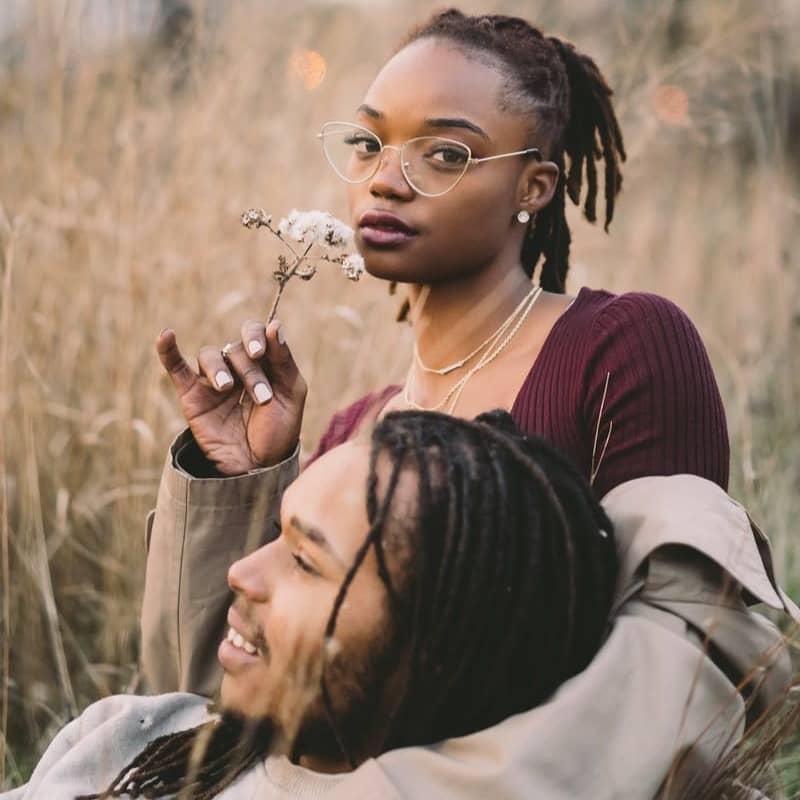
{"x": 631, "y": 322}
{"x": 640, "y": 309}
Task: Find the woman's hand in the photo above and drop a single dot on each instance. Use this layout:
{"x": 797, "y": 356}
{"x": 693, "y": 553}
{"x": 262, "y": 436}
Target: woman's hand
{"x": 261, "y": 430}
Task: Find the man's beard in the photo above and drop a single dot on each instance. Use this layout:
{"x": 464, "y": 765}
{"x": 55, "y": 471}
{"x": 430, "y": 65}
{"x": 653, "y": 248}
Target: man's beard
{"x": 346, "y": 730}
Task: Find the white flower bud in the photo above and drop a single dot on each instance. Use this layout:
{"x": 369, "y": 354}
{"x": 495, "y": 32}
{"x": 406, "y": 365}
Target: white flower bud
{"x": 353, "y": 266}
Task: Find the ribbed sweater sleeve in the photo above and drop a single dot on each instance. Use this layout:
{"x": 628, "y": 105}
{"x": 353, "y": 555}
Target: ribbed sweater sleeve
{"x": 661, "y": 413}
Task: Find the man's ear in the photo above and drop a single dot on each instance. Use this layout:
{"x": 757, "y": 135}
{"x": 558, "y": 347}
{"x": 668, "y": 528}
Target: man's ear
{"x": 537, "y": 185}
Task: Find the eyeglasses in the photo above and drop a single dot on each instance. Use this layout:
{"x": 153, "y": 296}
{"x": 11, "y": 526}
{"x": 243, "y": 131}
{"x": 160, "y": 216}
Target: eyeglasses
{"x": 432, "y": 165}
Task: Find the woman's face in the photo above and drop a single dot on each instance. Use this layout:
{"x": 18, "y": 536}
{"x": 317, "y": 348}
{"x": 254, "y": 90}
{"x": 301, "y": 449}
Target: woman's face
{"x": 430, "y": 88}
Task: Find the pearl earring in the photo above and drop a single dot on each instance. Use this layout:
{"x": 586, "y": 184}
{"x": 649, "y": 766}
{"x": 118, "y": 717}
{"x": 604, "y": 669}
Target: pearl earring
{"x": 523, "y": 216}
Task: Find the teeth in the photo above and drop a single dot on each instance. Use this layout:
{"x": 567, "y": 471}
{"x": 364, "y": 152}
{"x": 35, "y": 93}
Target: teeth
{"x": 237, "y": 640}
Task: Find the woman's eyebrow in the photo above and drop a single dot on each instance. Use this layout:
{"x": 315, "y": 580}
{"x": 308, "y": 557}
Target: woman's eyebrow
{"x": 455, "y": 122}
{"x": 431, "y": 122}
{"x": 369, "y": 111}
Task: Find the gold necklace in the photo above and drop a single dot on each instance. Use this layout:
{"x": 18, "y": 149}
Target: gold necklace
{"x": 504, "y": 326}
{"x": 454, "y": 393}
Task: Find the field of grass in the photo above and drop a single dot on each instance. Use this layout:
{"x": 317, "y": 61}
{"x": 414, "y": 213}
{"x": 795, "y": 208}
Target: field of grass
{"x": 125, "y": 162}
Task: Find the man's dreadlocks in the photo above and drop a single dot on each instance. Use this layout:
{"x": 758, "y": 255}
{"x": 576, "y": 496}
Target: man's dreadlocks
{"x": 501, "y": 590}
{"x": 509, "y": 578}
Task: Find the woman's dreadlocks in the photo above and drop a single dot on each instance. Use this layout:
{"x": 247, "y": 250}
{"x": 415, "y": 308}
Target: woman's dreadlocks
{"x": 499, "y": 589}
{"x": 573, "y": 117}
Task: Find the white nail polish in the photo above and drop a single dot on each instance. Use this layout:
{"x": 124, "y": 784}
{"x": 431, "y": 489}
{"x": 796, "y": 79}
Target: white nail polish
{"x": 281, "y": 337}
{"x": 254, "y": 347}
{"x": 262, "y": 392}
{"x": 223, "y": 379}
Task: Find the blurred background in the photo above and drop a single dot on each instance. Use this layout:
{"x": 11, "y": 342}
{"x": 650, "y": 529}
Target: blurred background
{"x": 132, "y": 136}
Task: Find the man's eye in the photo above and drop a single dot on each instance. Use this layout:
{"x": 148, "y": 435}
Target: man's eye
{"x": 303, "y": 564}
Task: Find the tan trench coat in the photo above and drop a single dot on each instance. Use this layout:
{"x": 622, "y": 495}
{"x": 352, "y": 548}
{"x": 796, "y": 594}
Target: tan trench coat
{"x": 663, "y": 686}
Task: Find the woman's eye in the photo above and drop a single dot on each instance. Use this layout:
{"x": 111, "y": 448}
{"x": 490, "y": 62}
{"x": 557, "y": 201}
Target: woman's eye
{"x": 303, "y": 564}
{"x": 449, "y": 156}
{"x": 365, "y": 145}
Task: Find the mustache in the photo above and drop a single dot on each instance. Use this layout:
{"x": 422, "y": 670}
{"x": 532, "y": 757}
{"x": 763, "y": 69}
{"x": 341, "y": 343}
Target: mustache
{"x": 255, "y": 630}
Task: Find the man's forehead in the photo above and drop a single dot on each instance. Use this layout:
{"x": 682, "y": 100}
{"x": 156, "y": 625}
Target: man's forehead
{"x": 330, "y": 495}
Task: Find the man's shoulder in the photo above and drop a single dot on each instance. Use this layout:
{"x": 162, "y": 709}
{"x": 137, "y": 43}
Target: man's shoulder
{"x": 154, "y": 713}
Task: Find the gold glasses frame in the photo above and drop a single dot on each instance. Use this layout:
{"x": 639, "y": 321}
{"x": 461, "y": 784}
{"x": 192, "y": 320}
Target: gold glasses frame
{"x": 328, "y": 129}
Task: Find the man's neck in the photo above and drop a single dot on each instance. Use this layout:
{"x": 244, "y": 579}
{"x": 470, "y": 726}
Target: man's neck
{"x": 451, "y": 319}
{"x": 328, "y": 766}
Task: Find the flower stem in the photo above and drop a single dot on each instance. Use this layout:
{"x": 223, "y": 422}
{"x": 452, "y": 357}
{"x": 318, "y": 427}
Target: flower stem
{"x": 284, "y": 280}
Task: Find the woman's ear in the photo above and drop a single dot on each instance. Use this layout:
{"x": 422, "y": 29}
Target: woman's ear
{"x": 537, "y": 185}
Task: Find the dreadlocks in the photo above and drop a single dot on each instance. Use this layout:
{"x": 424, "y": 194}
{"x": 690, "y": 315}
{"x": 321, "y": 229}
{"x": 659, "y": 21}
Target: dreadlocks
{"x": 198, "y": 763}
{"x": 509, "y": 573}
{"x": 499, "y": 581}
{"x": 568, "y": 98}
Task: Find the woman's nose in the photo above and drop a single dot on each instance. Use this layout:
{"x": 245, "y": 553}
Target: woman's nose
{"x": 251, "y": 576}
{"x": 389, "y": 180}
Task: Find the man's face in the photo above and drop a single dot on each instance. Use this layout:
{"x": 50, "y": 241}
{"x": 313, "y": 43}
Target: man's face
{"x": 284, "y": 595}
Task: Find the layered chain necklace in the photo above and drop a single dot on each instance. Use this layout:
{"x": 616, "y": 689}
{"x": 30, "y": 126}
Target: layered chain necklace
{"x": 492, "y": 347}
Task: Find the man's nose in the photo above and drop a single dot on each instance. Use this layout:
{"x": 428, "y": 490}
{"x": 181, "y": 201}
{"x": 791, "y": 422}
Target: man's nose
{"x": 389, "y": 180}
{"x": 251, "y": 576}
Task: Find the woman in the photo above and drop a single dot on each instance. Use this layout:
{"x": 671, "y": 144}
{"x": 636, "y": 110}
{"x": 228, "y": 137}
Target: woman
{"x": 458, "y": 167}
{"x": 622, "y": 385}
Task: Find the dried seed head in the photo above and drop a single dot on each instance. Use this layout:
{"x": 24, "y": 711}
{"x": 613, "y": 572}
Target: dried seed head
{"x": 256, "y": 218}
{"x": 353, "y": 266}
{"x": 315, "y": 227}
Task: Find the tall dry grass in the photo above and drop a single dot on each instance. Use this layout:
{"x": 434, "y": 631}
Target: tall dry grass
{"x": 124, "y": 167}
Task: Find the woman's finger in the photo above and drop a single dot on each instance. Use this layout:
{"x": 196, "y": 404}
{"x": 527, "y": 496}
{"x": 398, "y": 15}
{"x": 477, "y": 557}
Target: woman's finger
{"x": 182, "y": 375}
{"x": 250, "y": 373}
{"x": 212, "y": 364}
{"x": 282, "y": 366}
{"x": 253, "y": 338}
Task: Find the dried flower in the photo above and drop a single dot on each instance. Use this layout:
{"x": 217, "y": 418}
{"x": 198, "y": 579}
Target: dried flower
{"x": 353, "y": 266}
{"x": 256, "y": 218}
{"x": 313, "y": 229}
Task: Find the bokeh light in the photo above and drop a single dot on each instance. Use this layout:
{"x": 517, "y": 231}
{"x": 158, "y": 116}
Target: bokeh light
{"x": 671, "y": 104}
{"x": 308, "y": 67}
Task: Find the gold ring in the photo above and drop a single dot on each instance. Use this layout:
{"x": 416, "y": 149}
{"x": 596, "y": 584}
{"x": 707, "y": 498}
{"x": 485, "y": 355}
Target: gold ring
{"x": 226, "y": 351}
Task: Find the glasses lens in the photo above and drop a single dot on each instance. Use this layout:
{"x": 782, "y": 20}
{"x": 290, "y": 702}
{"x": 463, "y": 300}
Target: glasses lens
{"x": 351, "y": 150}
{"x": 434, "y": 165}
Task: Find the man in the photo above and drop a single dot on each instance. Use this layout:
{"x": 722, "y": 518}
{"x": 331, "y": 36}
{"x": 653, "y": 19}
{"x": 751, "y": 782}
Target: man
{"x": 472, "y": 580}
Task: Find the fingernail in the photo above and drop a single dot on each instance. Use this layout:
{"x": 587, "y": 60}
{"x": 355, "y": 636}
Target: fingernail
{"x": 254, "y": 347}
{"x": 223, "y": 379}
{"x": 281, "y": 337}
{"x": 262, "y": 392}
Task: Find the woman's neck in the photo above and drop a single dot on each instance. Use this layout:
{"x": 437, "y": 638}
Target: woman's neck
{"x": 451, "y": 319}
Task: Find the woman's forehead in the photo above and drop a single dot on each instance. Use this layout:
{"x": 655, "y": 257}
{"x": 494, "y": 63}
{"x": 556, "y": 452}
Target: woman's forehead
{"x": 436, "y": 78}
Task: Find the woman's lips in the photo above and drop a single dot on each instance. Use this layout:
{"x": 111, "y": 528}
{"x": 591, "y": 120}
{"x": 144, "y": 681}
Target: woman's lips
{"x": 382, "y": 229}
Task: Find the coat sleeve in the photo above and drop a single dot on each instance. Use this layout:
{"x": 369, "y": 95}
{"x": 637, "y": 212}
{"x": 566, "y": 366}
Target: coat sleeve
{"x": 199, "y": 528}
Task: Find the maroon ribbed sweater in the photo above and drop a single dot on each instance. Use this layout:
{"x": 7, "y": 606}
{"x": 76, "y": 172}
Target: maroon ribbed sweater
{"x": 662, "y": 403}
